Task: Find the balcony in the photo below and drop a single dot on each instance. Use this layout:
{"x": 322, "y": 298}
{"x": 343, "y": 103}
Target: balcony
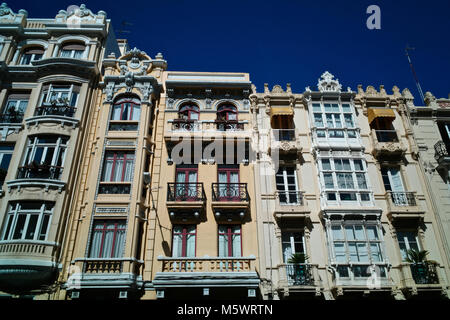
{"x": 284, "y": 141}
{"x": 10, "y": 122}
{"x": 441, "y": 154}
{"x": 99, "y": 273}
{"x": 290, "y": 204}
{"x": 403, "y": 204}
{"x": 39, "y": 171}
{"x": 183, "y": 128}
{"x": 114, "y": 188}
{"x": 185, "y": 198}
{"x": 123, "y": 125}
{"x": 27, "y": 264}
{"x": 56, "y": 112}
{"x": 424, "y": 276}
{"x": 386, "y": 143}
{"x": 206, "y": 272}
{"x": 230, "y": 199}
{"x": 12, "y": 117}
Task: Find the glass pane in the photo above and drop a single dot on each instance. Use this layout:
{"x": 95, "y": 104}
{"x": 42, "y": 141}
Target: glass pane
{"x": 376, "y": 252}
{"x": 358, "y": 165}
{"x": 339, "y": 250}
{"x": 337, "y": 232}
{"x": 316, "y": 107}
{"x": 31, "y": 228}
{"x": 326, "y": 164}
{"x": 372, "y": 233}
{"x": 20, "y": 224}
{"x": 328, "y": 179}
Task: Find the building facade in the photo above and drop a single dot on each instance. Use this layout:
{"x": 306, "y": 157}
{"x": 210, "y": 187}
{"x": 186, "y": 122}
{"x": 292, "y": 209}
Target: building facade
{"x": 49, "y": 75}
{"x": 122, "y": 179}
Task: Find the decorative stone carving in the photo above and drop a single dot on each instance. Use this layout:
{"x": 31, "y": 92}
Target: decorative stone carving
{"x": 5, "y": 10}
{"x": 75, "y": 14}
{"x": 407, "y": 94}
{"x": 277, "y": 89}
{"x": 7, "y": 14}
{"x": 327, "y": 83}
{"x": 396, "y": 92}
{"x": 430, "y": 99}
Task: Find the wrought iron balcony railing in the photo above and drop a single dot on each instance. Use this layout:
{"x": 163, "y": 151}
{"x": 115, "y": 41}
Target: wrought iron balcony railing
{"x": 177, "y": 191}
{"x": 185, "y": 125}
{"x": 230, "y": 125}
{"x": 11, "y": 117}
{"x": 386, "y": 135}
{"x": 114, "y": 188}
{"x": 403, "y": 198}
{"x": 424, "y": 273}
{"x": 230, "y": 192}
{"x": 440, "y": 150}
{"x": 39, "y": 171}
{"x": 299, "y": 274}
{"x": 284, "y": 134}
{"x": 56, "y": 110}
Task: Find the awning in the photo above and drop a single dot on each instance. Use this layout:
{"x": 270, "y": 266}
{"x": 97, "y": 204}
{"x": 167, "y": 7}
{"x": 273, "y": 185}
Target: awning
{"x": 281, "y": 111}
{"x": 373, "y": 113}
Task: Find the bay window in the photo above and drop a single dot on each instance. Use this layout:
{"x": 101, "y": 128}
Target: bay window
{"x": 6, "y": 152}
{"x": 355, "y": 246}
{"x": 15, "y": 107}
{"x": 344, "y": 179}
{"x": 108, "y": 239}
{"x": 28, "y": 220}
{"x": 58, "y": 99}
{"x": 333, "y": 120}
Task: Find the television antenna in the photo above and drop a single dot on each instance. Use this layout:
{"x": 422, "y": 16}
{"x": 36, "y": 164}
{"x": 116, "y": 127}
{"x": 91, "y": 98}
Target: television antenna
{"x": 419, "y": 88}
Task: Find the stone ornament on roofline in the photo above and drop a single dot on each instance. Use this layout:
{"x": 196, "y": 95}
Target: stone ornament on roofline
{"x": 327, "y": 83}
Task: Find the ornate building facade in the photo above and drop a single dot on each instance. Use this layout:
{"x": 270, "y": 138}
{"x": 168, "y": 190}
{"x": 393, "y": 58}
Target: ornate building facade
{"x": 122, "y": 179}
{"x": 49, "y": 74}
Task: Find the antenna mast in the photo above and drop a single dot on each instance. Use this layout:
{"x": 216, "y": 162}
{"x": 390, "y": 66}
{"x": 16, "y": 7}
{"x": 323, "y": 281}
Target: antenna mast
{"x": 414, "y": 74}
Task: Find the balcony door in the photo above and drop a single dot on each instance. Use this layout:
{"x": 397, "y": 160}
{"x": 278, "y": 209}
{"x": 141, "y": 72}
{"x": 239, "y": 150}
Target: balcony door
{"x": 228, "y": 177}
{"x": 286, "y": 180}
{"x": 393, "y": 182}
{"x": 292, "y": 243}
{"x": 186, "y": 183}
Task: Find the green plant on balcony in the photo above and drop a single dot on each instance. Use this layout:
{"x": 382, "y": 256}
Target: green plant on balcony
{"x": 416, "y": 256}
{"x": 297, "y": 258}
{"x": 300, "y": 272}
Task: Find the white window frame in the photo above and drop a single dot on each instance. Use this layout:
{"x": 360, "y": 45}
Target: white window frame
{"x": 286, "y": 185}
{"x": 33, "y": 58}
{"x": 33, "y": 145}
{"x": 72, "y": 52}
{"x": 406, "y": 241}
{"x": 336, "y": 189}
{"x": 349, "y": 263}
{"x": 324, "y": 131}
{"x": 59, "y": 89}
{"x": 291, "y": 233}
{"x": 14, "y": 211}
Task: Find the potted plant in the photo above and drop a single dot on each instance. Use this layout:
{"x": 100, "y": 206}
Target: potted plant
{"x": 300, "y": 269}
{"x": 419, "y": 266}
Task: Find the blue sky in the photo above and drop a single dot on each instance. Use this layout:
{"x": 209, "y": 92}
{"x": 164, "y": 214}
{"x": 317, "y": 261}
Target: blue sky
{"x": 287, "y": 41}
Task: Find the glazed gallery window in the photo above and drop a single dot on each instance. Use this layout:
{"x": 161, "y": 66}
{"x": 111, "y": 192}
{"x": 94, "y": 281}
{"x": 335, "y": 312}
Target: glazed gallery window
{"x": 125, "y": 114}
{"x": 31, "y": 54}
{"x": 354, "y": 247}
{"x": 66, "y": 94}
{"x": 292, "y": 242}
{"x": 73, "y": 50}
{"x": 344, "y": 179}
{"x": 230, "y": 241}
{"x": 407, "y": 240}
{"x": 15, "y": 107}
{"x": 6, "y": 152}
{"x": 44, "y": 157}
{"x": 183, "y": 241}
{"x": 28, "y": 220}
{"x": 108, "y": 238}
{"x": 333, "y": 120}
{"x": 287, "y": 185}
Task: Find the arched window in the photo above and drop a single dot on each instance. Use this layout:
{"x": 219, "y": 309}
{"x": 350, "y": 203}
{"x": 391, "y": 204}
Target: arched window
{"x": 227, "y": 112}
{"x": 72, "y": 50}
{"x": 189, "y": 111}
{"x": 125, "y": 109}
{"x": 31, "y": 54}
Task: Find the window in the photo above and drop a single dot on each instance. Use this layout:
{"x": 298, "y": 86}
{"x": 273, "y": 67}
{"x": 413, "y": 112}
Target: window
{"x": 31, "y": 54}
{"x": 292, "y": 242}
{"x": 227, "y": 118}
{"x": 286, "y": 180}
{"x": 73, "y": 50}
{"x": 66, "y": 94}
{"x": 407, "y": 240}
{"x": 125, "y": 109}
{"x": 392, "y": 179}
{"x": 28, "y": 220}
{"x": 183, "y": 241}
{"x": 358, "y": 245}
{"x": 186, "y": 183}
{"x": 230, "y": 244}
{"x": 6, "y": 152}
{"x": 117, "y": 172}
{"x": 44, "y": 157}
{"x": 228, "y": 186}
{"x": 108, "y": 239}
{"x": 189, "y": 112}
{"x": 333, "y": 120}
{"x": 345, "y": 179}
{"x": 15, "y": 107}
